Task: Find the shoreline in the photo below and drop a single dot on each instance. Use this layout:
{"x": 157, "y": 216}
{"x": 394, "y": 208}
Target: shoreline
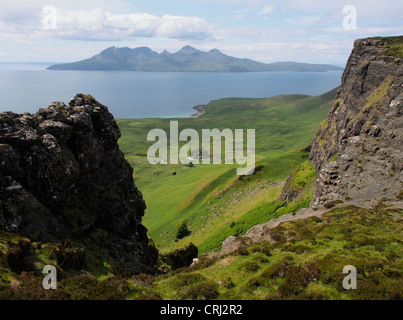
{"x": 200, "y": 111}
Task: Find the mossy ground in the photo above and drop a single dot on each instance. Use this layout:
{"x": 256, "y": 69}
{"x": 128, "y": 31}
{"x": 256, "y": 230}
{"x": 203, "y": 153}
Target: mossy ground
{"x": 306, "y": 263}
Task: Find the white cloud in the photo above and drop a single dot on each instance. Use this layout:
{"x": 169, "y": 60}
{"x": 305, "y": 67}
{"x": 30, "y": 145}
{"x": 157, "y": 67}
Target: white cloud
{"x": 304, "y": 20}
{"x": 241, "y": 14}
{"x": 249, "y": 33}
{"x": 266, "y": 10}
{"x": 239, "y": 17}
{"x": 101, "y": 25}
{"x": 367, "y": 9}
{"x": 179, "y": 27}
{"x": 296, "y": 30}
{"x": 367, "y": 31}
{"x": 320, "y": 51}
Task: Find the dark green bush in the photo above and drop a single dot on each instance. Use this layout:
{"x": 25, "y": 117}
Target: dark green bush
{"x": 182, "y": 231}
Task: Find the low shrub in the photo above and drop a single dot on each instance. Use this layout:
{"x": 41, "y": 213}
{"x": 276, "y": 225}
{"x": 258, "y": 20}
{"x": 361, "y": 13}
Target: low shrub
{"x": 302, "y": 276}
{"x": 288, "y": 290}
{"x": 144, "y": 280}
{"x": 201, "y": 291}
{"x": 187, "y": 279}
{"x": 228, "y": 283}
{"x": 249, "y": 266}
{"x": 311, "y": 296}
{"x": 263, "y": 248}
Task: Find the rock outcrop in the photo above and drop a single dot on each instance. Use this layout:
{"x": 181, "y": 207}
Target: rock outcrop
{"x": 262, "y": 232}
{"x": 358, "y": 149}
{"x": 182, "y": 257}
{"x": 63, "y": 176}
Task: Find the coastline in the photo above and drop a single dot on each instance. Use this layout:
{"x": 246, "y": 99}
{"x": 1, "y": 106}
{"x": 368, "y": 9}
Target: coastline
{"x": 200, "y": 111}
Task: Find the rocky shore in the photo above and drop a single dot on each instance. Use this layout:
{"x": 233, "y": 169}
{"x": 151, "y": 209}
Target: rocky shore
{"x": 200, "y": 110}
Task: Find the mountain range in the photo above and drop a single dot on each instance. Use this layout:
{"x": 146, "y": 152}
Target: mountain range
{"x": 187, "y": 59}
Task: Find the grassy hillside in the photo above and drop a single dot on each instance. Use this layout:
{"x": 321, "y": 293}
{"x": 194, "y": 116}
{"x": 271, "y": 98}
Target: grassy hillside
{"x": 211, "y": 199}
{"x": 305, "y": 262}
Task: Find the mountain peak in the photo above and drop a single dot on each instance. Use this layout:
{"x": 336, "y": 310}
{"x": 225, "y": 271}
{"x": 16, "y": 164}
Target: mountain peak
{"x": 215, "y": 51}
{"x": 188, "y": 49}
{"x": 143, "y": 49}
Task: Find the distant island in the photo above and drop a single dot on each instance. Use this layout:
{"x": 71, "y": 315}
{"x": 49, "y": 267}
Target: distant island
{"x": 188, "y": 59}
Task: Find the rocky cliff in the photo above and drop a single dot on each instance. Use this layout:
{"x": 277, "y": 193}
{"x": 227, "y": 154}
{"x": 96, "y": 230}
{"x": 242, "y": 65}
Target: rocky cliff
{"x": 358, "y": 149}
{"x": 63, "y": 176}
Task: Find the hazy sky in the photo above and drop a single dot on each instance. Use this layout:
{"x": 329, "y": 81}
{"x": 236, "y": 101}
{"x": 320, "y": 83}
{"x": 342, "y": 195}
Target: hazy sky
{"x": 277, "y": 30}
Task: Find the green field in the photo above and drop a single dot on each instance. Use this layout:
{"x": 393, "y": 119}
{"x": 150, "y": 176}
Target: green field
{"x": 211, "y": 199}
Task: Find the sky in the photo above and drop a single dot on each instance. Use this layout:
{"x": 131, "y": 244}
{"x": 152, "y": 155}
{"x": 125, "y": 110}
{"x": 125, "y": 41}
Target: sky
{"x": 312, "y": 31}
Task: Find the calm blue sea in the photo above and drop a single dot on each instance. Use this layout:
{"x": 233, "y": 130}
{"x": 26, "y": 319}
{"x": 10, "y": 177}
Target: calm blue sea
{"x": 25, "y": 88}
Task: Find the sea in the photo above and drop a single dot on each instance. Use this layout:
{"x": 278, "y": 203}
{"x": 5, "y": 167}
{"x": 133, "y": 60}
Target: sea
{"x": 129, "y": 94}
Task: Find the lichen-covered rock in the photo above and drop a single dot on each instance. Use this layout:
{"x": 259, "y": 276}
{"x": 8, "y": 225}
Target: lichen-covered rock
{"x": 63, "y": 176}
{"x": 358, "y": 149}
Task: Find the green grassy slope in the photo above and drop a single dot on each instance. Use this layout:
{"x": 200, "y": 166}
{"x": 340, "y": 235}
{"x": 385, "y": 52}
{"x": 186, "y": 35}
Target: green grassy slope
{"x": 209, "y": 198}
{"x": 305, "y": 262}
